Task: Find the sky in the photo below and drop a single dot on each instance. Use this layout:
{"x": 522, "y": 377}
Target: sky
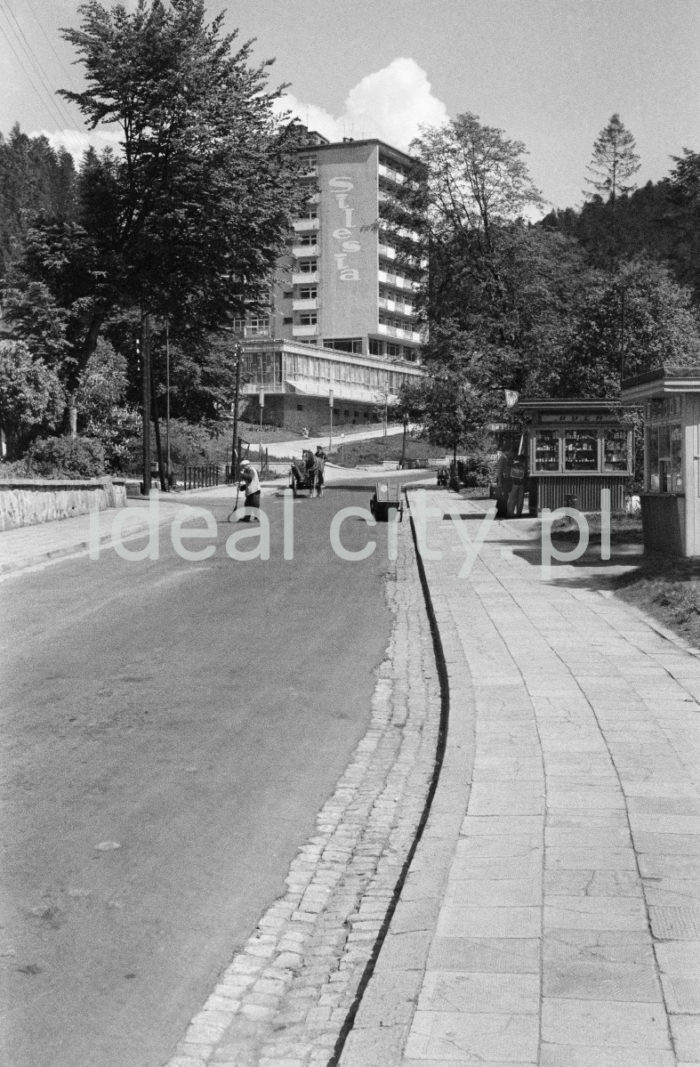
{"x": 548, "y": 73}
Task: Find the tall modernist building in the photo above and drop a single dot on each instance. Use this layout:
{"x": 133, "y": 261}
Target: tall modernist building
{"x": 342, "y": 330}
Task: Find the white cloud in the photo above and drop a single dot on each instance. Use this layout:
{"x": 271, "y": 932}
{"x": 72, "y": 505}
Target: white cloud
{"x": 312, "y": 116}
{"x": 77, "y": 142}
{"x": 390, "y": 104}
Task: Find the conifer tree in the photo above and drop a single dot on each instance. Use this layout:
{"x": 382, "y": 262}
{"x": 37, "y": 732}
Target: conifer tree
{"x": 614, "y": 162}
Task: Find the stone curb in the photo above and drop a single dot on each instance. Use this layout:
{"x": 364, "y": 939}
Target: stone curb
{"x": 383, "y": 1020}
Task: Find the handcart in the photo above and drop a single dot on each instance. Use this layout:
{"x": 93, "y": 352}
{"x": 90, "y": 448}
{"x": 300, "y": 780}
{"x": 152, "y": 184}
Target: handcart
{"x": 387, "y": 502}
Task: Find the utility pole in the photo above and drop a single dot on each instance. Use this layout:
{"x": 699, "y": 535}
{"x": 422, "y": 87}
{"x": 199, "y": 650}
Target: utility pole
{"x": 167, "y": 405}
{"x": 236, "y": 390}
{"x": 146, "y": 400}
{"x": 261, "y": 404}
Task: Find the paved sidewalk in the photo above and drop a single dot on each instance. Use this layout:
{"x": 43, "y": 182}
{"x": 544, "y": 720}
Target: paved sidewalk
{"x": 551, "y": 916}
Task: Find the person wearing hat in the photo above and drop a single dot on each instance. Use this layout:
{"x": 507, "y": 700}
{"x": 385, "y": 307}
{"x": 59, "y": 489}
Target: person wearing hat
{"x": 250, "y": 483}
{"x": 320, "y": 457}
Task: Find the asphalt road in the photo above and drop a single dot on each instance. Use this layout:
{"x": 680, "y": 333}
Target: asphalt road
{"x": 169, "y": 731}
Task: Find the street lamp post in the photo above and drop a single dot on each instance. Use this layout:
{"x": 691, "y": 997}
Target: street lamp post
{"x": 330, "y": 405}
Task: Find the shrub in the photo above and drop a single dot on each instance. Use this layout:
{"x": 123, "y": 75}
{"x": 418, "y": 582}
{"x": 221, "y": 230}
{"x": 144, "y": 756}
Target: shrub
{"x": 66, "y": 457}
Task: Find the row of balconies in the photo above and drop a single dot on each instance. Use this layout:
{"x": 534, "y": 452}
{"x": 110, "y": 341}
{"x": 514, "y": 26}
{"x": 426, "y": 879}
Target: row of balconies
{"x": 306, "y": 225}
{"x": 396, "y": 305}
{"x": 390, "y": 174}
{"x": 398, "y": 332}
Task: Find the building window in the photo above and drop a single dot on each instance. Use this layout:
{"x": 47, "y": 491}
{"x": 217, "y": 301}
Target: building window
{"x": 257, "y": 327}
{"x": 307, "y": 318}
{"x": 343, "y": 344}
{"x": 288, "y": 319}
{"x": 308, "y": 164}
{"x": 393, "y": 350}
{"x": 306, "y": 240}
{"x": 307, "y": 266}
{"x": 376, "y": 348}
{"x": 308, "y": 292}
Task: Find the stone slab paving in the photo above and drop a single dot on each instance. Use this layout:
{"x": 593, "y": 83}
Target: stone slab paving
{"x": 564, "y": 839}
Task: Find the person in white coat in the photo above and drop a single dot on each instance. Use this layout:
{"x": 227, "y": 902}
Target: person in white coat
{"x": 250, "y": 483}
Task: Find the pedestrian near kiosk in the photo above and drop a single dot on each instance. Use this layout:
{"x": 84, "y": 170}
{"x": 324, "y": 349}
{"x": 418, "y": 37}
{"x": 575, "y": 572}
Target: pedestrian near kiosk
{"x": 516, "y": 496}
{"x": 502, "y": 477}
{"x": 250, "y": 483}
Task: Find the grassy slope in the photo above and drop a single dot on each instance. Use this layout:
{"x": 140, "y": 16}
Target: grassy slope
{"x": 667, "y": 589}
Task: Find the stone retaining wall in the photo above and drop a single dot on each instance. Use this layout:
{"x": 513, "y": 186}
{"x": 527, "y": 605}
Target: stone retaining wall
{"x": 25, "y": 502}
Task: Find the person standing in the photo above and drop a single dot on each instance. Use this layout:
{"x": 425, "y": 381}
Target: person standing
{"x": 320, "y": 458}
{"x": 516, "y": 496}
{"x": 250, "y": 483}
{"x": 502, "y": 478}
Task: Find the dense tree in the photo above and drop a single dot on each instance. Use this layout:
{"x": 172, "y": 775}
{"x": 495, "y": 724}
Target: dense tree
{"x": 621, "y": 325}
{"x": 497, "y": 295}
{"x": 34, "y": 180}
{"x": 195, "y": 211}
{"x": 185, "y": 223}
{"x": 475, "y": 192}
{"x": 31, "y": 397}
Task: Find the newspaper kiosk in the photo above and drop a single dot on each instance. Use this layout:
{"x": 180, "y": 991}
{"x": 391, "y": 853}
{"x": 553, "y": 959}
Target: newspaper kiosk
{"x": 671, "y": 496}
{"x": 575, "y": 449}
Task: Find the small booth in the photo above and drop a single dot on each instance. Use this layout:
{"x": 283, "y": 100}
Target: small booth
{"x": 671, "y": 497}
{"x": 575, "y": 449}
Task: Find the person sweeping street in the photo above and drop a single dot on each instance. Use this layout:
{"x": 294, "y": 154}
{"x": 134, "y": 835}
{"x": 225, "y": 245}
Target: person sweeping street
{"x": 250, "y": 484}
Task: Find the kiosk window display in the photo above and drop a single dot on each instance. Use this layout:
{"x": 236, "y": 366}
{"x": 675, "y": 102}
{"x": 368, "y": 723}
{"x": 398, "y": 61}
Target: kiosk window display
{"x": 576, "y": 448}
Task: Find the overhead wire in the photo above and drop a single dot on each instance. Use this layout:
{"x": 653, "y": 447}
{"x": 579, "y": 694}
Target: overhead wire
{"x": 59, "y": 112}
{"x": 70, "y": 77}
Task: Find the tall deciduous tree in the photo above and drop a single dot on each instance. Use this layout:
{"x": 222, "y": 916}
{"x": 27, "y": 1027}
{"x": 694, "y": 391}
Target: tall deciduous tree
{"x": 614, "y": 162}
{"x": 198, "y": 206}
{"x": 196, "y": 209}
{"x": 489, "y": 269}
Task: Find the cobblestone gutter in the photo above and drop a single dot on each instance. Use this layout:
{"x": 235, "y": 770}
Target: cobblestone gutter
{"x": 286, "y": 997}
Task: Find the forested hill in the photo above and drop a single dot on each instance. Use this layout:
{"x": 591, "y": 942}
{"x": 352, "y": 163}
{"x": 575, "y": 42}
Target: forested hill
{"x": 661, "y": 219}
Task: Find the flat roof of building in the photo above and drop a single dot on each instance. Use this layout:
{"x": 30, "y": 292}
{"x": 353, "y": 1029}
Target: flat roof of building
{"x": 358, "y": 141}
{"x": 661, "y": 381}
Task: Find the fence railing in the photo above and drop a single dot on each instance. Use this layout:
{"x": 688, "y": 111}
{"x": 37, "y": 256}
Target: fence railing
{"x": 200, "y": 477}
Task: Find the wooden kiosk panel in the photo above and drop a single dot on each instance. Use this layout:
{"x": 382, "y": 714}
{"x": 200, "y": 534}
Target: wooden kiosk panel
{"x": 576, "y": 448}
{"x": 671, "y": 498}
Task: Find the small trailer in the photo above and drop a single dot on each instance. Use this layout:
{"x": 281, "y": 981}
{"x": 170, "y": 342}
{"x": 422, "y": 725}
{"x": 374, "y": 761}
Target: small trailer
{"x": 387, "y": 502}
